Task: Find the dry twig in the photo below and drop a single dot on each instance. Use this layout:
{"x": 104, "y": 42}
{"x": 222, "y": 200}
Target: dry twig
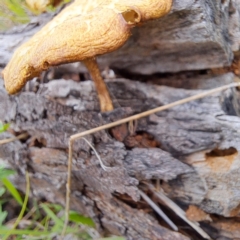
{"x": 172, "y": 205}
{"x": 8, "y": 140}
{"x": 125, "y": 120}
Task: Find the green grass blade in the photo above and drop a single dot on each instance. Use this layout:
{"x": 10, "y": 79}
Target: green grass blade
{"x": 52, "y": 215}
{"x": 4, "y": 172}
{"x": 10, "y": 187}
{"x": 3, "y": 215}
{"x": 4, "y": 127}
{"x": 24, "y": 206}
{"x": 54, "y": 206}
{"x": 77, "y": 218}
{"x": 16, "y": 7}
{"x": 23, "y": 232}
{"x": 12, "y": 12}
{"x": 2, "y": 191}
{"x": 46, "y": 221}
{"x": 113, "y": 238}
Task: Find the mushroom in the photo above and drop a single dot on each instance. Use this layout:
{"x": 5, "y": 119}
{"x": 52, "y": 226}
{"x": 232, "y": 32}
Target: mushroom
{"x": 82, "y": 31}
{"x": 39, "y": 6}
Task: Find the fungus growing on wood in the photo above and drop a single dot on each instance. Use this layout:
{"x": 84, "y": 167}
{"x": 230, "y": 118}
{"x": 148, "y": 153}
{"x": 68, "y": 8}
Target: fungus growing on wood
{"x": 82, "y": 31}
{"x": 39, "y": 6}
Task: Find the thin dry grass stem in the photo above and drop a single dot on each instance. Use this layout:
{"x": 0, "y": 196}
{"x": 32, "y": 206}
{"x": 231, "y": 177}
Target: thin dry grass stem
{"x": 158, "y": 109}
{"x": 125, "y": 120}
{"x": 158, "y": 210}
{"x": 30, "y": 213}
{"x": 105, "y": 168}
{"x": 25, "y": 218}
{"x": 8, "y": 140}
{"x": 172, "y": 205}
{"x": 23, "y": 224}
{"x": 68, "y": 185}
{"x": 68, "y": 190}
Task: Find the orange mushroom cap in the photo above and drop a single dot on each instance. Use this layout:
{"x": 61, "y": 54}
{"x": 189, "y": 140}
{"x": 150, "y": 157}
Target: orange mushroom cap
{"x": 84, "y": 29}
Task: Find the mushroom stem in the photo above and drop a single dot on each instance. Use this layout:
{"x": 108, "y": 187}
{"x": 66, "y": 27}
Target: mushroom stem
{"x": 102, "y": 91}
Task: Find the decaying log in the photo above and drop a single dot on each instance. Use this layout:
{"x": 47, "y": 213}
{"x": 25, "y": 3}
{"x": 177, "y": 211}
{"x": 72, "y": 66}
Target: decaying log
{"x": 196, "y": 156}
{"x": 193, "y": 148}
{"x": 196, "y": 35}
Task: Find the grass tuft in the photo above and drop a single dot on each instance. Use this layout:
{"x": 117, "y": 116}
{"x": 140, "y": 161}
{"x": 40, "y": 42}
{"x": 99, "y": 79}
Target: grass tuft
{"x": 39, "y": 220}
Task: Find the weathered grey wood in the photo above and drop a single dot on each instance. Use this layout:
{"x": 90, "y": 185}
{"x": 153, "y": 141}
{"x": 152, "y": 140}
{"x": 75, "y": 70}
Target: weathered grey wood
{"x": 186, "y": 133}
{"x": 181, "y": 41}
{"x": 51, "y": 123}
{"x": 195, "y": 35}
{"x": 195, "y": 146}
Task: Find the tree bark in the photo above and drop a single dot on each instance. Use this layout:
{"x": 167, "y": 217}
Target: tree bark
{"x": 192, "y": 148}
{"x": 195, "y": 35}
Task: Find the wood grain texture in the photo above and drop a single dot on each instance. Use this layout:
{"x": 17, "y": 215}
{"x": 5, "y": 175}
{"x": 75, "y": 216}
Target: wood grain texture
{"x": 187, "y": 134}
{"x": 193, "y": 149}
{"x": 196, "y": 35}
